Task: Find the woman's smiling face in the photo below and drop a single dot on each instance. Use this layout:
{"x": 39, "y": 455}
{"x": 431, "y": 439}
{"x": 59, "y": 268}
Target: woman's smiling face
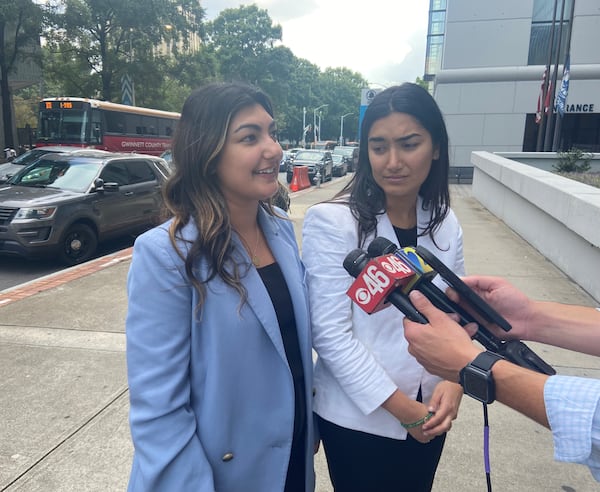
{"x": 249, "y": 163}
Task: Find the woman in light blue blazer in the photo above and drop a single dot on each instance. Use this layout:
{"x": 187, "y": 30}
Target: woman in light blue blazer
{"x": 218, "y": 339}
{"x": 372, "y": 398}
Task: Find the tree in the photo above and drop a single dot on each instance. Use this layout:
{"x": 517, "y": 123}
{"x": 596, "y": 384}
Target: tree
{"x": 20, "y": 22}
{"x": 240, "y": 38}
{"x": 91, "y": 43}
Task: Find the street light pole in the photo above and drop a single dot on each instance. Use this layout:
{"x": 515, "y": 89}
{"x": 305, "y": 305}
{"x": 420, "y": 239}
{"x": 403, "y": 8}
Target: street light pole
{"x": 320, "y": 135}
{"x": 304, "y": 127}
{"x": 315, "y": 123}
{"x": 342, "y": 128}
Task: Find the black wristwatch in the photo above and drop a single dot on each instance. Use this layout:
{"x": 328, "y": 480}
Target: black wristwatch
{"x": 476, "y": 377}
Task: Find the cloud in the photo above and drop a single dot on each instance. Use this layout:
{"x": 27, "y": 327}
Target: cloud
{"x": 383, "y": 40}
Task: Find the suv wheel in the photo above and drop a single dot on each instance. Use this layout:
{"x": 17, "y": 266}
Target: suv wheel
{"x": 78, "y": 244}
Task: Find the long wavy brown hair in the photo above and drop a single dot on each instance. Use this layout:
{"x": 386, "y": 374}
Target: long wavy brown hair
{"x": 193, "y": 193}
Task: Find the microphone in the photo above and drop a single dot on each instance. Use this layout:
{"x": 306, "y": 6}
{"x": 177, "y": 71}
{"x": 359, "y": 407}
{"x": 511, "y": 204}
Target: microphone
{"x": 378, "y": 282}
{"x": 427, "y": 266}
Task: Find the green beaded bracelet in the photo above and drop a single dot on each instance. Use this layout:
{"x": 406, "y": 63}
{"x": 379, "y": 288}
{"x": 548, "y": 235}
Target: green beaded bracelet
{"x": 418, "y": 422}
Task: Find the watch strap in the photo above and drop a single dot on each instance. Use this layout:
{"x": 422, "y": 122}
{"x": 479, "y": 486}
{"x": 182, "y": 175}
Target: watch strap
{"x": 485, "y": 360}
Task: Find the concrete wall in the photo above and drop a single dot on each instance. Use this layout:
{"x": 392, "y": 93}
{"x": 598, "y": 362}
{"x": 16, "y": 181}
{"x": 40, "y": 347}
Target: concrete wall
{"x": 546, "y": 160}
{"x": 558, "y": 216}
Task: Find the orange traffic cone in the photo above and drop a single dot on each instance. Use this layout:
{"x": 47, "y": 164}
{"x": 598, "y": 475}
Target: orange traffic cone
{"x": 294, "y": 185}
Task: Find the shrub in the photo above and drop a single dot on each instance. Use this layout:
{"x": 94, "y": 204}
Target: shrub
{"x": 573, "y": 160}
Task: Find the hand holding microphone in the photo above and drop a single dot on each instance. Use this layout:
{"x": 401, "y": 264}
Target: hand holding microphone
{"x": 393, "y": 273}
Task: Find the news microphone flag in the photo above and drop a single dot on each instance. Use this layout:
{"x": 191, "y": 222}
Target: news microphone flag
{"x": 561, "y": 97}
{"x": 378, "y": 282}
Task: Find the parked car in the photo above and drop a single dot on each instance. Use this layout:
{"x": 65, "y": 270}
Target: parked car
{"x": 8, "y": 169}
{"x": 64, "y": 205}
{"x": 167, "y": 155}
{"x": 285, "y": 160}
{"x": 289, "y": 157}
{"x": 340, "y": 166}
{"x": 350, "y": 154}
{"x": 316, "y": 160}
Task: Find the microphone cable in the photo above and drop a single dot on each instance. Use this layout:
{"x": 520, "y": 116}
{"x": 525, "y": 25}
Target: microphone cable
{"x": 486, "y": 447}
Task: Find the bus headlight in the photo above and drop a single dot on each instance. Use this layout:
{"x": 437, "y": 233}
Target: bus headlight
{"x": 35, "y": 213}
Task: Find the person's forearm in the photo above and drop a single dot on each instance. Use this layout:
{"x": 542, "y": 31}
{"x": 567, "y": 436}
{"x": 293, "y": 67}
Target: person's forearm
{"x": 403, "y": 408}
{"x": 563, "y": 325}
{"x": 521, "y": 389}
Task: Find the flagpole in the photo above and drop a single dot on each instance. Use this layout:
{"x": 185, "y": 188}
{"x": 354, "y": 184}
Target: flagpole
{"x": 551, "y": 116}
{"x": 542, "y": 126}
{"x": 558, "y": 127}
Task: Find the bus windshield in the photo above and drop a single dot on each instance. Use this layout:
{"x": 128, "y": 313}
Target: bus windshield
{"x": 58, "y": 125}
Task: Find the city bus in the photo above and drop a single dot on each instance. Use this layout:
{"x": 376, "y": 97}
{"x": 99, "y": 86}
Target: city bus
{"x": 82, "y": 122}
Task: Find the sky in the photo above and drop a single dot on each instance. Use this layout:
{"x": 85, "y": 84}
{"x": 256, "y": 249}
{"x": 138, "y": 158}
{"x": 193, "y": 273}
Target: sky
{"x": 383, "y": 40}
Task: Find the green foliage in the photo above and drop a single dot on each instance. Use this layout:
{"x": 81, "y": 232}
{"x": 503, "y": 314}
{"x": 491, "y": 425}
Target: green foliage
{"x": 573, "y": 160}
{"x": 422, "y": 83}
{"x": 20, "y": 22}
{"x": 92, "y": 43}
{"x": 26, "y": 103}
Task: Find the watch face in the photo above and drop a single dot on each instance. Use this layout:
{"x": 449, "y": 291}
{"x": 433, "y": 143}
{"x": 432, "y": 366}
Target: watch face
{"x": 478, "y": 385}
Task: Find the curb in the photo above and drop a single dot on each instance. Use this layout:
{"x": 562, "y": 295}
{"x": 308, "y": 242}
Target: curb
{"x": 22, "y": 291}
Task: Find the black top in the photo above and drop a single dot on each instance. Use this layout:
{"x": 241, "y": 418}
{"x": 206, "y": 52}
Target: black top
{"x": 406, "y": 237}
{"x": 274, "y": 281}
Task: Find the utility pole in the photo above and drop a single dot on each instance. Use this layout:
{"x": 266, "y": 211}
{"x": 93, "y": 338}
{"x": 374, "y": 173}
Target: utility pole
{"x": 342, "y": 128}
{"x": 315, "y": 123}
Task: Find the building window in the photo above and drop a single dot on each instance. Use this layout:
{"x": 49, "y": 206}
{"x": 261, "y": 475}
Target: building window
{"x": 541, "y": 31}
{"x": 435, "y": 40}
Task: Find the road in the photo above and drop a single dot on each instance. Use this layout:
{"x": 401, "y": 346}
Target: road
{"x": 16, "y": 271}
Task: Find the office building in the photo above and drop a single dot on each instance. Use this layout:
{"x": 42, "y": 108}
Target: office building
{"x": 485, "y": 65}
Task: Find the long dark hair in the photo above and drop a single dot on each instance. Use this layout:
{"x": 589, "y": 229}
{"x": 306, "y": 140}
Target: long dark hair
{"x": 193, "y": 192}
{"x": 364, "y": 196}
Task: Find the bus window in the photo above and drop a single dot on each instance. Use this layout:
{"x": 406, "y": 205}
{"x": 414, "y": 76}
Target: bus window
{"x": 115, "y": 122}
{"x": 96, "y": 127}
{"x": 62, "y": 126}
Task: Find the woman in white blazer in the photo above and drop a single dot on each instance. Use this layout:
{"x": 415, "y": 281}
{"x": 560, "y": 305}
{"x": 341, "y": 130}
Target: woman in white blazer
{"x": 218, "y": 339}
{"x": 372, "y": 398}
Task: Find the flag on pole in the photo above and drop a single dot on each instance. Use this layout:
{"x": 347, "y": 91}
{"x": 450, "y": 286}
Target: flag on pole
{"x": 538, "y": 113}
{"x": 561, "y": 97}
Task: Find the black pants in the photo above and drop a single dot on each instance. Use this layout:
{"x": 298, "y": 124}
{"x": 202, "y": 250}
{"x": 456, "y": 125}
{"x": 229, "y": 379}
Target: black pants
{"x": 361, "y": 462}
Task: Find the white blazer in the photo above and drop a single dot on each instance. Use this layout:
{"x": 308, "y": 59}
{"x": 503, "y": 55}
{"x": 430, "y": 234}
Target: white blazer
{"x": 362, "y": 359}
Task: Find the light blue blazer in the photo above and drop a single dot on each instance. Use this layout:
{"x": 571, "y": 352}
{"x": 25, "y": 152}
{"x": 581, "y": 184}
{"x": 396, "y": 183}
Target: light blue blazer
{"x": 211, "y": 392}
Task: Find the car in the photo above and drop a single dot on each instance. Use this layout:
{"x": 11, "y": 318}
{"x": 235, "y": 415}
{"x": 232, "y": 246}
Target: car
{"x": 285, "y": 160}
{"x": 63, "y": 205}
{"x": 9, "y": 168}
{"x": 167, "y": 155}
{"x": 340, "y": 166}
{"x": 288, "y": 157}
{"x": 316, "y": 160}
{"x": 350, "y": 154}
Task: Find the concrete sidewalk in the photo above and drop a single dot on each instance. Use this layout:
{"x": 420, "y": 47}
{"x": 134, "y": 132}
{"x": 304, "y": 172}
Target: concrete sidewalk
{"x": 64, "y": 399}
